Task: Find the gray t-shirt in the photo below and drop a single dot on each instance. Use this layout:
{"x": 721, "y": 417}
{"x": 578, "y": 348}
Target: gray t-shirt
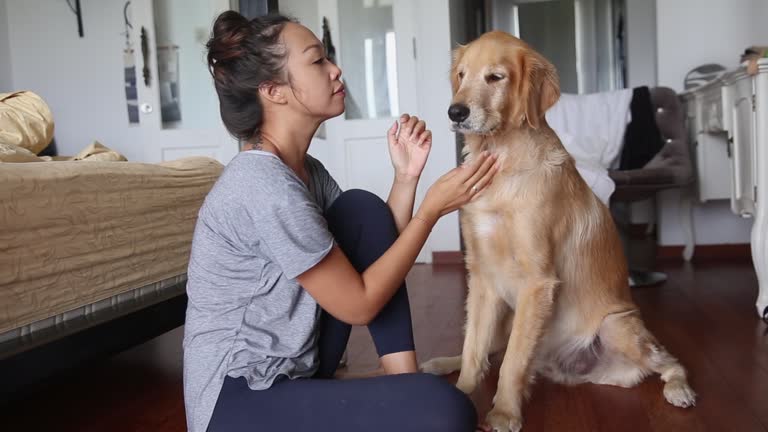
{"x": 259, "y": 228}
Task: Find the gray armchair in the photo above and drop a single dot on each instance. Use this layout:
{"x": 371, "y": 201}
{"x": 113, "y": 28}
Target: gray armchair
{"x": 671, "y": 168}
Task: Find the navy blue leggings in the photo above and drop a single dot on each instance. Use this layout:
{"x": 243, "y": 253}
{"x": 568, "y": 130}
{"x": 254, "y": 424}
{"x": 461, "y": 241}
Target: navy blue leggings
{"x": 364, "y": 229}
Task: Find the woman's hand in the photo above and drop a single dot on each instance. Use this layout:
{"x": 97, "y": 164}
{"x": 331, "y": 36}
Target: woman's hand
{"x": 458, "y": 187}
{"x": 409, "y": 147}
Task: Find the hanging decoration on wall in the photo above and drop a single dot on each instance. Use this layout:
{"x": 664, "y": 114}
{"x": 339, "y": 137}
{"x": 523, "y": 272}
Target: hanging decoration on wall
{"x": 129, "y": 71}
{"x": 145, "y": 54}
{"x": 76, "y": 10}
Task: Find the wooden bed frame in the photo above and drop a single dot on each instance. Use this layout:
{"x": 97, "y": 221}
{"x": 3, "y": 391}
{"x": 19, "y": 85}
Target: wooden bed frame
{"x": 24, "y": 370}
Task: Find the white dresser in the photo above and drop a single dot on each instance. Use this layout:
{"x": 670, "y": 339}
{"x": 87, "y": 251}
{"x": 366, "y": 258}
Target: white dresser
{"x": 728, "y": 121}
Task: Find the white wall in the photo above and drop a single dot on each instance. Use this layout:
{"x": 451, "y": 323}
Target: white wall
{"x": 6, "y": 78}
{"x": 691, "y": 33}
{"x": 759, "y": 24}
{"x": 81, "y": 79}
{"x": 694, "y": 32}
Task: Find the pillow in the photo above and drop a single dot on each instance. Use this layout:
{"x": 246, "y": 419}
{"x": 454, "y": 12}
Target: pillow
{"x": 25, "y": 121}
{"x": 99, "y": 152}
{"x": 12, "y": 153}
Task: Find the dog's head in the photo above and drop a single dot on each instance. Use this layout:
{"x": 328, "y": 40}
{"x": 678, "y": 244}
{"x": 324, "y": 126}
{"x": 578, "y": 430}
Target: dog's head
{"x": 500, "y": 83}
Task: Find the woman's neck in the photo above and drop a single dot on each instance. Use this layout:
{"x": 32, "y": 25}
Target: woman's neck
{"x": 290, "y": 144}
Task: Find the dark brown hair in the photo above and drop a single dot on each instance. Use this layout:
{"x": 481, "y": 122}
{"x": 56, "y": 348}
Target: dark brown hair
{"x": 242, "y": 56}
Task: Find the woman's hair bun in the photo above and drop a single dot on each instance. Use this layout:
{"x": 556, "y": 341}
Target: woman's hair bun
{"x": 242, "y": 55}
{"x": 229, "y": 31}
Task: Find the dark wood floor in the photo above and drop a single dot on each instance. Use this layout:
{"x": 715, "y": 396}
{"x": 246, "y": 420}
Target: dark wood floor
{"x": 704, "y": 315}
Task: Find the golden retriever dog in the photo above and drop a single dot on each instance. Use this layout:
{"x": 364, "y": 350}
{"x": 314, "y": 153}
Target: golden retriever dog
{"x": 547, "y": 274}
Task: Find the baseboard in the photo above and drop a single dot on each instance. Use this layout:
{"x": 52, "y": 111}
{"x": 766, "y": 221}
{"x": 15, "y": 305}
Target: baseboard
{"x": 715, "y": 251}
{"x": 447, "y": 257}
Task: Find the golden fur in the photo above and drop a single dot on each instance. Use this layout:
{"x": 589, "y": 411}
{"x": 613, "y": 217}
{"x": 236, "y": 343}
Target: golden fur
{"x": 547, "y": 274}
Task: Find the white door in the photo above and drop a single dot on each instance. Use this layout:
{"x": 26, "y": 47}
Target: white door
{"x": 374, "y": 43}
{"x": 178, "y": 106}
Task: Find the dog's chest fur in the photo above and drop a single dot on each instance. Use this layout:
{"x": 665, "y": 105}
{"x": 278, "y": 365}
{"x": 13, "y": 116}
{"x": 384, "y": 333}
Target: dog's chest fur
{"x": 491, "y": 221}
{"x": 499, "y": 223}
{"x": 504, "y": 204}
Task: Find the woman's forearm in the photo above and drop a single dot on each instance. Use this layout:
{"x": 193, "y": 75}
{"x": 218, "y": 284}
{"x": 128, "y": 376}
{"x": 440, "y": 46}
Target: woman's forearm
{"x": 383, "y": 277}
{"x": 401, "y": 198}
{"x": 358, "y": 298}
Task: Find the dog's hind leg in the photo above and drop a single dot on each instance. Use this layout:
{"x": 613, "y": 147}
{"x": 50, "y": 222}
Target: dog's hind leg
{"x": 626, "y": 334}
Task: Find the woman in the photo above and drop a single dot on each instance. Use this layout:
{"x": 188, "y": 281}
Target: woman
{"x": 283, "y": 262}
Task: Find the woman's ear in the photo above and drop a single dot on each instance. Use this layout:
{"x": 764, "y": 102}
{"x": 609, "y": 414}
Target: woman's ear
{"x": 272, "y": 92}
{"x": 543, "y": 88}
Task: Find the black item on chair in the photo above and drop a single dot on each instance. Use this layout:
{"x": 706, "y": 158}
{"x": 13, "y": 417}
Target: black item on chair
{"x": 642, "y": 139}
{"x": 669, "y": 168}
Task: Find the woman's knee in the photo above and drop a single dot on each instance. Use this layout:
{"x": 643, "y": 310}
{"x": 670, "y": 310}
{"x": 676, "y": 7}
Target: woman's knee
{"x": 359, "y": 200}
{"x": 361, "y": 207}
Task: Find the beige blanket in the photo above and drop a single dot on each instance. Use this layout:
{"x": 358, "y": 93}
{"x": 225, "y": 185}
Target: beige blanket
{"x": 72, "y": 233}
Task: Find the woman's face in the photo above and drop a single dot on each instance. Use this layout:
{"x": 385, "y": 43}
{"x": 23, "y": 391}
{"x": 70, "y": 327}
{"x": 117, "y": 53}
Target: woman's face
{"x": 314, "y": 86}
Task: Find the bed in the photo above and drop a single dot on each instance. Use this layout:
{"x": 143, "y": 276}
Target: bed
{"x": 93, "y": 258}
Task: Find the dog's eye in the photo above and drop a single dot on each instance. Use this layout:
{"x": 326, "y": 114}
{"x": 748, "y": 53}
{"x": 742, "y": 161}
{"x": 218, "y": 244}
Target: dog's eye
{"x": 461, "y": 75}
{"x": 494, "y": 77}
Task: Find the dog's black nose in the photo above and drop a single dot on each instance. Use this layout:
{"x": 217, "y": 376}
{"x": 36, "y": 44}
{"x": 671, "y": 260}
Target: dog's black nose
{"x": 458, "y": 112}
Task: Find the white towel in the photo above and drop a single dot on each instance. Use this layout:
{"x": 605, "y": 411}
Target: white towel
{"x": 591, "y": 127}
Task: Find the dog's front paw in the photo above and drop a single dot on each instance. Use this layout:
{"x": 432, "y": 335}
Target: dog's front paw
{"x": 500, "y": 421}
{"x": 441, "y": 365}
{"x": 679, "y": 394}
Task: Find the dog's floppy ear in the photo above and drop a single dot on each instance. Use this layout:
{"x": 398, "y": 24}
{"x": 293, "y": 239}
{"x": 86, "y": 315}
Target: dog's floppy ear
{"x": 458, "y": 53}
{"x": 541, "y": 88}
